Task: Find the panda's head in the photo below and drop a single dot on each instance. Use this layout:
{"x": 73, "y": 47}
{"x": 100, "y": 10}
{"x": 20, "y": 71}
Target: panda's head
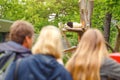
{"x": 70, "y": 24}
{"x": 73, "y": 25}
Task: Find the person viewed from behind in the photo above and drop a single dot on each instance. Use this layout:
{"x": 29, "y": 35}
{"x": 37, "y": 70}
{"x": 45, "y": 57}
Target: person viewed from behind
{"x": 43, "y": 65}
{"x": 21, "y": 33}
{"x": 91, "y": 61}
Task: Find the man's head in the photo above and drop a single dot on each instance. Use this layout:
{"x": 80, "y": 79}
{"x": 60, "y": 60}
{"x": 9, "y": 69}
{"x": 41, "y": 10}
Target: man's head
{"x": 22, "y": 32}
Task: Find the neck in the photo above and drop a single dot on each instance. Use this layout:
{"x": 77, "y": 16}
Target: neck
{"x": 25, "y": 45}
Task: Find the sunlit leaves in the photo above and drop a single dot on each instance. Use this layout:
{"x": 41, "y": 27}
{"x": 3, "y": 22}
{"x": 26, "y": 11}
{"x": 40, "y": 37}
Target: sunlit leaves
{"x": 38, "y": 11}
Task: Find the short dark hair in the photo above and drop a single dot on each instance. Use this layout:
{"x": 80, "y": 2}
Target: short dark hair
{"x": 19, "y": 30}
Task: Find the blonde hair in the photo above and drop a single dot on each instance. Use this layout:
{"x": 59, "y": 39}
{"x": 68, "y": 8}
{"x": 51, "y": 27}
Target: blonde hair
{"x": 49, "y": 42}
{"x": 86, "y": 61}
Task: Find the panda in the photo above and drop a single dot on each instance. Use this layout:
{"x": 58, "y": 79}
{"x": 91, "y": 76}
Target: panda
{"x": 73, "y": 25}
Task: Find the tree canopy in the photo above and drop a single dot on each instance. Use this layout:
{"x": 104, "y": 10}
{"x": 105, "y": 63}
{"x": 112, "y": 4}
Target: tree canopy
{"x": 51, "y": 12}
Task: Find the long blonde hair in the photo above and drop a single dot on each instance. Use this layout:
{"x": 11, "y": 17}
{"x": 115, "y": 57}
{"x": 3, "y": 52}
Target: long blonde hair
{"x": 86, "y": 61}
{"x": 49, "y": 42}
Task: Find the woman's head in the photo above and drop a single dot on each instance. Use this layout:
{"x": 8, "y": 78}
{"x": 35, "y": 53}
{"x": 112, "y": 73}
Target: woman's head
{"x": 49, "y": 42}
{"x": 87, "y": 59}
{"x": 92, "y": 41}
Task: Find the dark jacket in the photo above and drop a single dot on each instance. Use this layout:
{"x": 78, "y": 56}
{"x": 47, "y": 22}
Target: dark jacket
{"x": 110, "y": 70}
{"x": 41, "y": 67}
{"x": 20, "y": 51}
{"x": 17, "y": 48}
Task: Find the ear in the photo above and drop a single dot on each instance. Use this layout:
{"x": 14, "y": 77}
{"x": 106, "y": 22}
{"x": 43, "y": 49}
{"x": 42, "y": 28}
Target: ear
{"x": 27, "y": 42}
{"x": 27, "y": 39}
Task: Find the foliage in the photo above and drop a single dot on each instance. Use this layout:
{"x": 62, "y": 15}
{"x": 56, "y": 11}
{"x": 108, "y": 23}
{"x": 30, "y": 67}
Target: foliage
{"x": 111, "y": 6}
{"x": 38, "y": 12}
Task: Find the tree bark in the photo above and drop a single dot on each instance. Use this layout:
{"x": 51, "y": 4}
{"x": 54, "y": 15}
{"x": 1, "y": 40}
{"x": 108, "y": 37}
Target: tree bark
{"x": 107, "y": 23}
{"x": 86, "y": 10}
{"x": 117, "y": 43}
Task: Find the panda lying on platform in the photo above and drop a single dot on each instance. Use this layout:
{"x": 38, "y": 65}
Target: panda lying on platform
{"x": 73, "y": 25}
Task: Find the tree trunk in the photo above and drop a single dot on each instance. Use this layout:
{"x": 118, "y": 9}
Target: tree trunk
{"x": 107, "y": 23}
{"x": 117, "y": 43}
{"x": 86, "y": 9}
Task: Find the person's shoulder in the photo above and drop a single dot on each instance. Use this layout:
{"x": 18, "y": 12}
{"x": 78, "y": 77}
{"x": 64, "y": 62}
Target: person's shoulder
{"x": 62, "y": 68}
{"x": 37, "y": 58}
{"x": 9, "y": 73}
{"x": 24, "y": 62}
{"x": 110, "y": 68}
{"x": 107, "y": 61}
{"x": 47, "y": 59}
{"x": 64, "y": 73}
{"x": 28, "y": 59}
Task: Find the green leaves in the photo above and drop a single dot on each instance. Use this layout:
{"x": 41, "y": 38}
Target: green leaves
{"x": 38, "y": 11}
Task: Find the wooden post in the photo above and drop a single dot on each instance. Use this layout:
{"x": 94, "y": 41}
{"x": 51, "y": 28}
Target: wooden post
{"x": 86, "y": 9}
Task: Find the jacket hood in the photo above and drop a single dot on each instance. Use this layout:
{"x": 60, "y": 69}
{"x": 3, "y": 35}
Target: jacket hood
{"x": 12, "y": 46}
{"x": 44, "y": 66}
{"x": 39, "y": 67}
